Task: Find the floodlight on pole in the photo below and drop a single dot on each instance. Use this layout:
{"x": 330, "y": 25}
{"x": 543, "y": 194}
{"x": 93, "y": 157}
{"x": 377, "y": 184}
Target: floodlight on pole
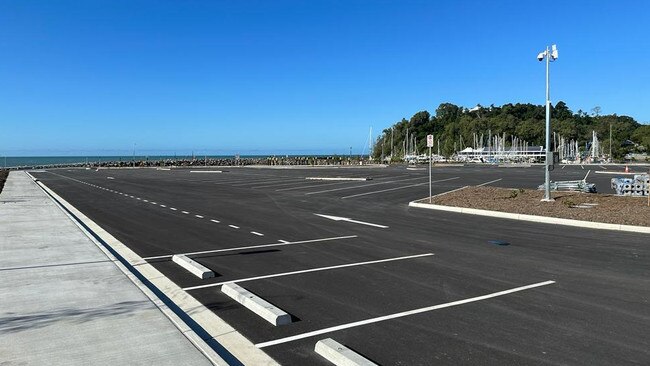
{"x": 550, "y": 55}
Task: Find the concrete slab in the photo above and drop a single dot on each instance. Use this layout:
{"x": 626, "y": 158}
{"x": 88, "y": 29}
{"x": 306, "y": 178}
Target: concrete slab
{"x": 64, "y": 302}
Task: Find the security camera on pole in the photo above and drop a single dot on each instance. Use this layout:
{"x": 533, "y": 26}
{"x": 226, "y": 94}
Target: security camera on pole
{"x": 550, "y": 55}
{"x": 430, "y": 145}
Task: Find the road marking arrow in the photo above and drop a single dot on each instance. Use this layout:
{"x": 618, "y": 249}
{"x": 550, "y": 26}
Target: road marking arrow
{"x": 338, "y": 218}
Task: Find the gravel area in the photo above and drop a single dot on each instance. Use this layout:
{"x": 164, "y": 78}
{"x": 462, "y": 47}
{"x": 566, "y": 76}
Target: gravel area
{"x": 3, "y": 178}
{"x": 569, "y": 205}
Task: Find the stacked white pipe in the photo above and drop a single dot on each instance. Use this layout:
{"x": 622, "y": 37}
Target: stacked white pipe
{"x": 637, "y": 186}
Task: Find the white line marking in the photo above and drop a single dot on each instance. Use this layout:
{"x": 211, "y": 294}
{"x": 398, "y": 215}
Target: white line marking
{"x": 365, "y": 185}
{"x": 400, "y": 315}
{"x": 215, "y": 221}
{"x": 583, "y": 167}
{"x": 234, "y": 226}
{"x": 263, "y": 181}
{"x": 311, "y": 186}
{"x": 163, "y": 206}
{"x": 490, "y": 182}
{"x": 139, "y": 199}
{"x": 185, "y": 212}
{"x": 256, "y": 233}
{"x": 198, "y": 216}
{"x": 279, "y": 184}
{"x": 153, "y": 203}
{"x": 338, "y": 218}
{"x": 563, "y": 166}
{"x": 396, "y": 188}
{"x": 172, "y": 208}
{"x": 145, "y": 200}
{"x": 284, "y": 242}
{"x": 310, "y": 270}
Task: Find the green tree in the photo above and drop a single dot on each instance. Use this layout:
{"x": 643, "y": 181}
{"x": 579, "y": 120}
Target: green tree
{"x": 642, "y": 136}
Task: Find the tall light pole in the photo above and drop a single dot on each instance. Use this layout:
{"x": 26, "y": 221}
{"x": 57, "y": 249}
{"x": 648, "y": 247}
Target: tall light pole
{"x": 550, "y": 55}
{"x": 610, "y": 142}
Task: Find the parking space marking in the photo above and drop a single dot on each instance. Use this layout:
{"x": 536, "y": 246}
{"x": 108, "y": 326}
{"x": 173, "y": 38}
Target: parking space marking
{"x": 164, "y": 206}
{"x": 263, "y": 181}
{"x": 236, "y": 180}
{"x": 400, "y": 315}
{"x": 396, "y": 188}
{"x": 490, "y": 182}
{"x": 365, "y": 185}
{"x": 312, "y": 186}
{"x": 283, "y": 243}
{"x": 319, "y": 269}
{"x": 279, "y": 184}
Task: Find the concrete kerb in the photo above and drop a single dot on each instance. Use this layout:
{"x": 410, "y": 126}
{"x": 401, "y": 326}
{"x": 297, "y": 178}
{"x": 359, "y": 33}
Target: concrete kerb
{"x": 215, "y": 338}
{"x": 339, "y": 354}
{"x": 618, "y": 173}
{"x": 193, "y": 266}
{"x": 338, "y": 178}
{"x": 256, "y": 304}
{"x": 533, "y": 218}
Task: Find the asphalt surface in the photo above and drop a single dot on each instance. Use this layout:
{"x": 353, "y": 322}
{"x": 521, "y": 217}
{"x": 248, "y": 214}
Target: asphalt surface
{"x": 595, "y": 312}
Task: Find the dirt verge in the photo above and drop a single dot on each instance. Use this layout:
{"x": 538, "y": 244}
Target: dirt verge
{"x": 568, "y": 205}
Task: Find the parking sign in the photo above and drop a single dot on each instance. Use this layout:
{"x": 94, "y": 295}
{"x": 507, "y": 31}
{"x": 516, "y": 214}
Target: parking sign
{"x": 429, "y": 140}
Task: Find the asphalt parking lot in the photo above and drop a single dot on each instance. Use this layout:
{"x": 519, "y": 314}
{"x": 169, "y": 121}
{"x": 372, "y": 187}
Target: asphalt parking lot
{"x": 399, "y": 285}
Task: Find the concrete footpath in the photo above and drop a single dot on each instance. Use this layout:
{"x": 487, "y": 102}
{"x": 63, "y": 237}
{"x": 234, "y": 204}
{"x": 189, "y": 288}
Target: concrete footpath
{"x": 64, "y": 301}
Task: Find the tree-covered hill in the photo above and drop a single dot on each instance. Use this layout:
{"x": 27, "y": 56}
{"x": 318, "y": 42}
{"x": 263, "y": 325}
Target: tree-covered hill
{"x": 453, "y": 126}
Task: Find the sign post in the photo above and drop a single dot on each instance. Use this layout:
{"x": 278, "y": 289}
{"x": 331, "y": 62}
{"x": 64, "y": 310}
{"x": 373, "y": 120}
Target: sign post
{"x": 430, "y": 145}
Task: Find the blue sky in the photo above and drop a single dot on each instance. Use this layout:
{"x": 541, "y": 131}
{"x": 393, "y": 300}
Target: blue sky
{"x": 223, "y": 77}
